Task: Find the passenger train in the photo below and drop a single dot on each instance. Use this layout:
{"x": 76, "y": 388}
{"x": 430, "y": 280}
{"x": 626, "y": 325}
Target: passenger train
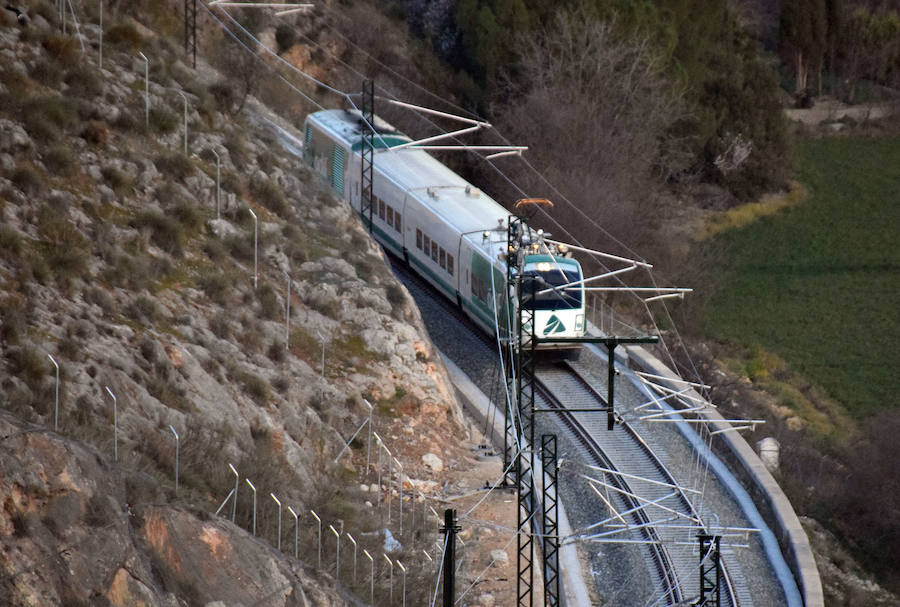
{"x": 448, "y": 231}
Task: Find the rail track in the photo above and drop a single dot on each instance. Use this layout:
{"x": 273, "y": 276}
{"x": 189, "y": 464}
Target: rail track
{"x": 661, "y": 525}
{"x": 562, "y": 386}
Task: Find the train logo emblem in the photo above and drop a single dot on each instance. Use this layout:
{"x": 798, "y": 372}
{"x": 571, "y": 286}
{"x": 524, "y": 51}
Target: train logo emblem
{"x": 554, "y": 325}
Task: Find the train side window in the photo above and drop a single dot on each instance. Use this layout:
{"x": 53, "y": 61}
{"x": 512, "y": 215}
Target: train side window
{"x": 443, "y": 259}
{"x": 390, "y": 215}
{"x": 398, "y": 225}
{"x": 418, "y": 239}
{"x": 450, "y": 264}
{"x": 434, "y": 251}
{"x": 381, "y": 209}
{"x": 427, "y": 245}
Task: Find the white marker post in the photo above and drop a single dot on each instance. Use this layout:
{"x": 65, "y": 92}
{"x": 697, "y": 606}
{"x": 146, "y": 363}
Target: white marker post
{"x": 371, "y": 576}
{"x": 277, "y": 501}
{"x": 255, "y": 247}
{"x": 254, "y": 505}
{"x": 183, "y": 96}
{"x": 353, "y": 541}
{"x": 146, "y": 90}
{"x": 237, "y": 479}
{"x": 56, "y": 406}
{"x": 218, "y": 181}
{"x": 115, "y": 425}
{"x": 296, "y": 532}
{"x": 319, "y": 561}
{"x": 337, "y": 545}
{"x": 176, "y": 457}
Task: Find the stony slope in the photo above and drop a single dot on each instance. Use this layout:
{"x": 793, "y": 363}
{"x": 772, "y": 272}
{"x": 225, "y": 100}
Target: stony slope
{"x": 113, "y": 262}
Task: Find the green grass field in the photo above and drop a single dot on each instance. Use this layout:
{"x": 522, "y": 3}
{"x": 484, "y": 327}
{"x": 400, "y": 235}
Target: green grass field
{"x": 819, "y": 283}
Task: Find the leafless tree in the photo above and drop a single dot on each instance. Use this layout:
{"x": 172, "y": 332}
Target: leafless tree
{"x": 597, "y": 114}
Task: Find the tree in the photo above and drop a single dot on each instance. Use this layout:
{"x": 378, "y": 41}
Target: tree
{"x": 594, "y": 110}
{"x": 802, "y": 38}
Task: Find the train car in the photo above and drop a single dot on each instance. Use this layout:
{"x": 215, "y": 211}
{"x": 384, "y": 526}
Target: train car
{"x": 448, "y": 231}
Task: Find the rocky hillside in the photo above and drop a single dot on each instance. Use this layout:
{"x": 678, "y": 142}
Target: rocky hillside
{"x": 115, "y": 264}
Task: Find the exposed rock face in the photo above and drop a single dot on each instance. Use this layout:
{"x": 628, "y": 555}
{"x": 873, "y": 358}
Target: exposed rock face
{"x": 113, "y": 261}
{"x": 70, "y": 537}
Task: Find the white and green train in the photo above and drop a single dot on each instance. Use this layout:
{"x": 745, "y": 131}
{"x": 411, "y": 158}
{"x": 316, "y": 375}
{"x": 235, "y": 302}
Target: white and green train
{"x": 448, "y": 231}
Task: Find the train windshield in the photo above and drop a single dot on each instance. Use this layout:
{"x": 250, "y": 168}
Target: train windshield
{"x": 550, "y": 276}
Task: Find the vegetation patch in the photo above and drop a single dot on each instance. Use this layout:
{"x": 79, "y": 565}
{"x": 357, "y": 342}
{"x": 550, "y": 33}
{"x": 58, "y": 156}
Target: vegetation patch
{"x": 818, "y": 284}
{"x": 745, "y": 214}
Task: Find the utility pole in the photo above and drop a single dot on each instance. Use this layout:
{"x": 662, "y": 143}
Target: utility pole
{"x": 450, "y": 529}
{"x": 367, "y": 152}
{"x": 710, "y": 571}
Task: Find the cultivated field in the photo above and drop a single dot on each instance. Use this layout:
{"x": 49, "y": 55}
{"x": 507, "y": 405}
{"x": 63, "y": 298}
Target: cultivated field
{"x": 818, "y": 284}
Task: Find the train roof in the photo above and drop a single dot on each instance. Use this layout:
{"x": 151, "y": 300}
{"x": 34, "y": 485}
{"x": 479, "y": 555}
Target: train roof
{"x": 455, "y": 200}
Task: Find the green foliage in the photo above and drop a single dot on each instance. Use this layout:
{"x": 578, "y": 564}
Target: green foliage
{"x": 62, "y": 48}
{"x": 270, "y": 307}
{"x": 270, "y": 195}
{"x": 144, "y": 310}
{"x": 83, "y": 81}
{"x": 10, "y": 242}
{"x": 47, "y": 72}
{"x": 125, "y": 36}
{"x": 13, "y": 319}
{"x": 256, "y": 387}
{"x": 27, "y": 178}
{"x": 217, "y": 286}
{"x": 45, "y": 117}
{"x": 800, "y": 282}
{"x": 60, "y": 159}
{"x": 162, "y": 120}
{"x": 165, "y": 232}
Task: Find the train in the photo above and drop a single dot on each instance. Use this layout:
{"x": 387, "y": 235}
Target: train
{"x": 447, "y": 230}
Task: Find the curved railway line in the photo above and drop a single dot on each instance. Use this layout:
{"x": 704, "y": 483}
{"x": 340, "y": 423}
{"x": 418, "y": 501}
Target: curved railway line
{"x": 676, "y": 572}
{"x": 646, "y": 487}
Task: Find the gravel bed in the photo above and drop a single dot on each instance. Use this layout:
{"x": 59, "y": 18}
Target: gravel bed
{"x": 620, "y": 573}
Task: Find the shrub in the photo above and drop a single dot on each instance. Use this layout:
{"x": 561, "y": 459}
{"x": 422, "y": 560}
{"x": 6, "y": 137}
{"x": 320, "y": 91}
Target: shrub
{"x": 240, "y": 246}
{"x": 27, "y": 179}
{"x": 10, "y": 242}
{"x": 165, "y": 232}
{"x": 162, "y": 120}
{"x": 46, "y": 116}
{"x": 115, "y": 178}
{"x": 223, "y": 94}
{"x": 95, "y": 132}
{"x": 216, "y": 286}
{"x": 64, "y": 49}
{"x": 13, "y": 320}
{"x": 220, "y": 327}
{"x": 47, "y": 73}
{"x": 215, "y": 249}
{"x": 83, "y": 81}
{"x": 144, "y": 309}
{"x": 125, "y": 36}
{"x": 174, "y": 166}
{"x": 190, "y": 216}
{"x": 230, "y": 181}
{"x": 269, "y": 305}
{"x": 236, "y": 148}
{"x": 28, "y": 365}
{"x": 256, "y": 387}
{"x": 270, "y": 195}
{"x": 60, "y": 159}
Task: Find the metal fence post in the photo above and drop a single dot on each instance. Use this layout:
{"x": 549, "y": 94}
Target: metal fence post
{"x": 296, "y": 532}
{"x": 319, "y": 561}
{"x": 371, "y": 576}
{"x": 176, "y": 457}
{"x": 353, "y": 541}
{"x": 403, "y": 569}
{"x": 287, "y": 312}
{"x": 277, "y": 501}
{"x": 146, "y": 90}
{"x": 254, "y": 505}
{"x": 255, "y": 247}
{"x": 115, "y": 424}
{"x": 56, "y": 405}
{"x": 391, "y": 582}
{"x": 218, "y": 181}
{"x": 337, "y": 545}
{"x": 237, "y": 480}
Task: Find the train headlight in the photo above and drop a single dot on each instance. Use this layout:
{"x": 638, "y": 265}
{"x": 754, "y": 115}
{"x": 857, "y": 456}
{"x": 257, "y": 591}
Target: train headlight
{"x": 579, "y": 322}
{"x": 544, "y": 266}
